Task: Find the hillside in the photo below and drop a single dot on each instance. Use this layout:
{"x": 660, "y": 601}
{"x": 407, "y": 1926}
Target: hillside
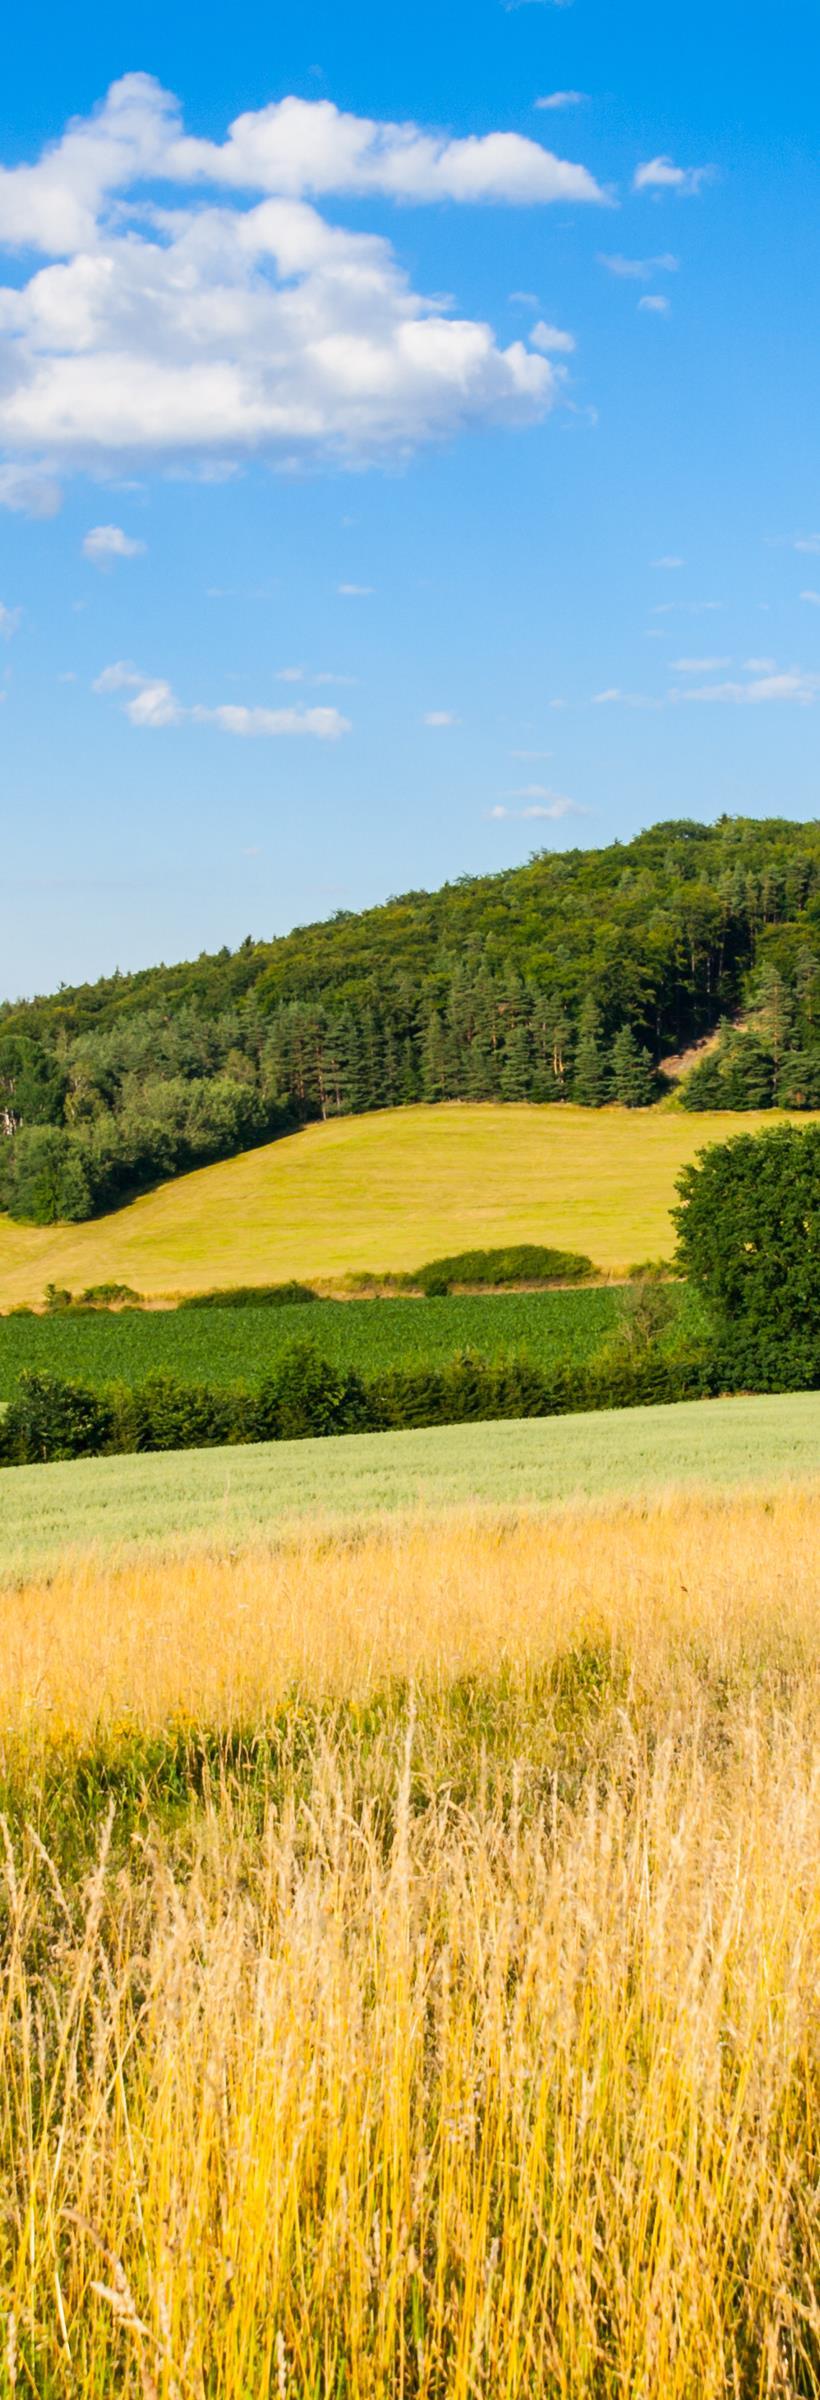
{"x": 570, "y": 978}
{"x": 384, "y": 1192}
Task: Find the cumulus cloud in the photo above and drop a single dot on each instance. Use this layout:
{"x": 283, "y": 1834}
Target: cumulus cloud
{"x": 550, "y": 337}
{"x": 153, "y": 703}
{"x": 9, "y": 621}
{"x": 655, "y": 304}
{"x": 238, "y": 319}
{"x": 638, "y": 270}
{"x": 440, "y": 716}
{"x": 661, "y": 175}
{"x": 106, "y": 542}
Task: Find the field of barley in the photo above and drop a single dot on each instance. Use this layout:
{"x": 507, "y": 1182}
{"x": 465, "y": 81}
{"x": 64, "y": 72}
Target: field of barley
{"x": 384, "y": 1192}
{"x": 411, "y": 1961}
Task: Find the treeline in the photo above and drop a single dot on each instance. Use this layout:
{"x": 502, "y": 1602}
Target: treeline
{"x": 570, "y": 978}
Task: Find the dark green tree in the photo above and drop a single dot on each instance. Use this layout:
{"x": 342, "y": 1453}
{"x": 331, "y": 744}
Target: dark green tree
{"x": 633, "y": 1076}
{"x": 590, "y": 1083}
{"x": 749, "y": 1233}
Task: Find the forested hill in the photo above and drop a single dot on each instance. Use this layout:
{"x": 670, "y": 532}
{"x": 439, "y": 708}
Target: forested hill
{"x": 570, "y": 977}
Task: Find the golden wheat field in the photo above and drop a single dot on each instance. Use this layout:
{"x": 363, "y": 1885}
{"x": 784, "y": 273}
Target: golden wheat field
{"x": 412, "y": 1962}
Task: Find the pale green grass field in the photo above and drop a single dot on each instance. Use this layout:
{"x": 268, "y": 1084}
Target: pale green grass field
{"x": 387, "y": 1192}
{"x": 112, "y": 1504}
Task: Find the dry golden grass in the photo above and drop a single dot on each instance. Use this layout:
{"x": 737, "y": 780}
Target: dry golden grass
{"x": 463, "y": 2038}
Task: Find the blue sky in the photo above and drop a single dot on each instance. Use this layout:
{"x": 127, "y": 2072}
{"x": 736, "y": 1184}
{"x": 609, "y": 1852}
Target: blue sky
{"x": 396, "y": 474}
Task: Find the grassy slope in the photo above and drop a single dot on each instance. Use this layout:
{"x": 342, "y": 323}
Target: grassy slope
{"x": 233, "y": 1493}
{"x": 386, "y": 1192}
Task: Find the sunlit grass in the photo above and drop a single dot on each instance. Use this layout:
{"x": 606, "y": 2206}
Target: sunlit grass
{"x": 387, "y": 1191}
{"x": 411, "y": 1956}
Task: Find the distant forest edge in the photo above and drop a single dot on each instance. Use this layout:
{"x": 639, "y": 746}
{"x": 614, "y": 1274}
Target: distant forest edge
{"x": 570, "y": 978}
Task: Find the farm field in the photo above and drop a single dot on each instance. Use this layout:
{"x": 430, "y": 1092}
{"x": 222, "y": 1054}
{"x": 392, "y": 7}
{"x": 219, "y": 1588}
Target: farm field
{"x": 432, "y": 1932}
{"x": 228, "y": 1345}
{"x": 385, "y": 1192}
{"x": 205, "y": 1496}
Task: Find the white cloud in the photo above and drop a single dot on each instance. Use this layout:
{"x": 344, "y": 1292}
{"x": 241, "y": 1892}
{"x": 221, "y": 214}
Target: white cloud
{"x": 655, "y": 304}
{"x": 550, "y": 337}
{"x": 440, "y": 716}
{"x": 9, "y": 621}
{"x": 701, "y": 666}
{"x": 561, "y": 100}
{"x": 669, "y": 562}
{"x": 638, "y": 270}
{"x": 540, "y": 802}
{"x": 154, "y": 703}
{"x": 686, "y": 608}
{"x": 602, "y": 699}
{"x": 30, "y": 491}
{"x": 812, "y": 597}
{"x": 355, "y": 591}
{"x": 240, "y": 321}
{"x": 105, "y": 542}
{"x": 290, "y": 675}
{"x": 661, "y": 174}
{"x": 810, "y": 542}
{"x": 792, "y": 685}
{"x": 758, "y": 666}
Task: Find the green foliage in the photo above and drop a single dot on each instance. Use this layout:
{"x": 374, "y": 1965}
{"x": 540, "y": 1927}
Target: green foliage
{"x": 522, "y": 1262}
{"x": 253, "y": 1295}
{"x": 571, "y": 976}
{"x": 749, "y": 1237}
{"x": 49, "y": 1418}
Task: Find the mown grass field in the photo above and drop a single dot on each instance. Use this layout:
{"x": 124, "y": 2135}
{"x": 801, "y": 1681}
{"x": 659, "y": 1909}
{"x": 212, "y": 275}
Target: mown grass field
{"x": 232, "y": 1495}
{"x": 411, "y": 1955}
{"x": 387, "y": 1192}
{"x": 227, "y": 1345}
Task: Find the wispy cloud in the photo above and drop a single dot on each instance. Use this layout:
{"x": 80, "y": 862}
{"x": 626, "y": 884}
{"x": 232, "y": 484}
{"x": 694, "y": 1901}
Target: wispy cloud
{"x": 792, "y": 684}
{"x": 9, "y": 621}
{"x": 154, "y": 704}
{"x": 662, "y": 175}
{"x": 355, "y": 591}
{"x": 638, "y": 270}
{"x": 703, "y": 666}
{"x": 812, "y": 597}
{"x": 107, "y": 542}
{"x": 655, "y": 304}
{"x": 669, "y": 562}
{"x": 808, "y": 541}
{"x": 30, "y": 491}
{"x": 561, "y": 99}
{"x": 439, "y": 717}
{"x": 539, "y": 802}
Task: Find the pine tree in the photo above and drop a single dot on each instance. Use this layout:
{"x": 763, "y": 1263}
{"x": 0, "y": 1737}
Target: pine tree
{"x": 516, "y": 1074}
{"x": 632, "y": 1073}
{"x": 590, "y": 1083}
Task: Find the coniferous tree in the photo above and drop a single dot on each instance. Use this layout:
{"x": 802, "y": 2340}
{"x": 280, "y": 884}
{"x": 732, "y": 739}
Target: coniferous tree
{"x": 633, "y": 1079}
{"x": 590, "y": 1083}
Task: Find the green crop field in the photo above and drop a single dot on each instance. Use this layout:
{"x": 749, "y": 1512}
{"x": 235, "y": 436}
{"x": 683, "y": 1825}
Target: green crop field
{"x": 232, "y": 1345}
{"x": 387, "y": 1192}
{"x": 229, "y": 1495}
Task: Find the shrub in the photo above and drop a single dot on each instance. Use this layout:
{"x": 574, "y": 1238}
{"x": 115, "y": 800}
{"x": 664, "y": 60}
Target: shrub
{"x": 252, "y": 1295}
{"x": 523, "y": 1262}
{"x": 48, "y": 1418}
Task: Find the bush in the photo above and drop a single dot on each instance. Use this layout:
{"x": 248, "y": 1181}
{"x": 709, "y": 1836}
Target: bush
{"x": 523, "y": 1262}
{"x": 252, "y": 1295}
{"x": 51, "y": 1419}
